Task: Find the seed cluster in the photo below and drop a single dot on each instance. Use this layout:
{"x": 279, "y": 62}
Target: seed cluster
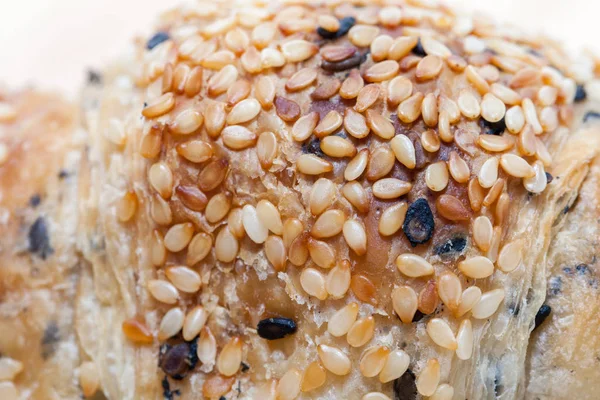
{"x": 313, "y": 135}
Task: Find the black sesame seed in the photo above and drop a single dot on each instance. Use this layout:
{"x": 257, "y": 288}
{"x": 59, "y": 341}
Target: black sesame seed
{"x": 549, "y": 177}
{"x": 405, "y": 387}
{"x": 175, "y": 361}
{"x": 35, "y": 200}
{"x": 157, "y": 39}
{"x": 39, "y": 241}
{"x": 94, "y": 77}
{"x": 345, "y": 25}
{"x": 580, "y": 94}
{"x": 492, "y": 128}
{"x": 452, "y": 247}
{"x": 541, "y": 315}
{"x": 276, "y": 328}
{"x": 418, "y": 223}
{"x": 418, "y": 50}
{"x": 346, "y": 64}
{"x": 313, "y": 147}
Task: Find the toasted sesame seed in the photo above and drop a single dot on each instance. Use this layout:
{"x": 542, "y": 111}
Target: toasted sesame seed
{"x": 301, "y": 79}
{"x": 469, "y": 298}
{"x": 218, "y": 206}
{"x": 160, "y": 211}
{"x": 337, "y": 53}
{"x": 136, "y": 331}
{"x": 372, "y": 361}
{"x": 329, "y": 124}
{"x": 382, "y": 71}
{"x": 161, "y": 179}
{"x": 334, "y": 360}
{"x": 495, "y": 143}
{"x": 392, "y": 218}
{"x": 482, "y": 232}
{"x": 477, "y": 80}
{"x": 362, "y": 35}
{"x": 352, "y": 85}
{"x": 436, "y": 176}
{"x": 428, "y": 298}
{"x": 494, "y": 192}
{"x": 163, "y": 291}
{"x": 443, "y": 392}
{"x": 159, "y": 106}
{"x": 207, "y": 347}
{"x": 357, "y": 165}
{"x": 361, "y": 333}
{"x": 526, "y": 142}
{"x": 390, "y": 188}
{"x": 525, "y": 77}
{"x": 328, "y": 224}
{"x": 269, "y": 216}
{"x": 328, "y": 88}
{"x": 310, "y": 164}
{"x": 413, "y": 265}
{"x": 342, "y": 320}
{"x": 488, "y": 304}
{"x": 199, "y": 248}
{"x": 428, "y": 380}
{"x": 298, "y": 251}
{"x": 404, "y": 150}
{"x": 440, "y": 332}
{"x": 244, "y": 111}
{"x": 429, "y": 110}
{"x": 266, "y": 149}
{"x": 313, "y": 283}
{"x": 531, "y": 116}
{"x": 178, "y": 236}
{"x": 399, "y": 89}
{"x": 381, "y": 162}
{"x": 468, "y": 104}
{"x": 428, "y": 68}
{"x": 395, "y": 366}
{"x": 151, "y": 142}
{"x": 286, "y": 109}
{"x": 410, "y": 109}
{"x": 356, "y": 195}
{"x": 214, "y": 118}
{"x": 538, "y": 182}
{"x": 298, "y": 50}
{"x": 502, "y": 208}
{"x": 288, "y": 387}
{"x": 477, "y": 267}
{"x": 253, "y": 61}
{"x": 89, "y": 379}
{"x": 237, "y": 92}
{"x": 356, "y": 236}
{"x": 488, "y": 172}
{"x": 336, "y": 146}
{"x": 338, "y": 280}
{"x": 276, "y": 252}
{"x": 380, "y": 47}
{"x": 435, "y": 47}
{"x": 127, "y": 206}
{"x": 451, "y": 208}
{"x": 380, "y": 125}
{"x": 222, "y": 80}
{"x": 510, "y": 256}
{"x": 196, "y": 151}
{"x": 516, "y": 166}
{"x": 314, "y": 377}
{"x": 171, "y": 324}
{"x": 401, "y": 47}
{"x": 355, "y": 124}
{"x": 458, "y": 168}
{"x": 264, "y": 90}
{"x": 450, "y": 290}
{"x": 363, "y": 288}
{"x": 292, "y": 227}
{"x": 230, "y": 358}
{"x": 367, "y": 96}
{"x": 226, "y": 245}
{"x": 183, "y": 278}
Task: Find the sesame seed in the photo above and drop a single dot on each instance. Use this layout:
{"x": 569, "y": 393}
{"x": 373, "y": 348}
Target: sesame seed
{"x": 244, "y": 111}
{"x": 183, "y": 278}
{"x": 392, "y": 218}
{"x": 214, "y": 118}
{"x": 194, "y": 321}
{"x": 399, "y": 89}
{"x": 443, "y": 392}
{"x": 298, "y": 252}
{"x": 375, "y": 396}
{"x": 158, "y": 252}
{"x": 436, "y": 176}
{"x": 477, "y": 267}
{"x": 344, "y": 26}
{"x": 151, "y": 141}
{"x": 372, "y": 361}
{"x": 127, "y": 206}
{"x": 538, "y": 182}
{"x": 362, "y": 35}
{"x": 357, "y": 196}
{"x": 136, "y": 331}
{"x": 516, "y": 166}
{"x": 196, "y": 151}
{"x": 380, "y": 163}
{"x": 171, "y": 324}
{"x": 288, "y": 387}
{"x": 342, "y": 320}
{"x": 404, "y": 302}
{"x": 363, "y": 288}
{"x": 401, "y": 47}
{"x": 380, "y": 47}
{"x": 313, "y": 283}
{"x": 163, "y": 291}
{"x": 510, "y": 256}
{"x": 334, "y": 360}
{"x": 357, "y": 165}
{"x": 327, "y": 89}
{"x": 339, "y": 147}
{"x": 451, "y": 208}
{"x": 382, "y": 71}
{"x": 428, "y": 68}
{"x": 531, "y": 116}
{"x": 238, "y": 92}
{"x": 253, "y": 224}
{"x": 432, "y": 46}
{"x": 450, "y": 290}
{"x": 355, "y": 124}
{"x": 458, "y": 168}
{"x": 410, "y": 109}
{"x": 404, "y": 150}
{"x": 468, "y": 104}
{"x": 207, "y": 347}
{"x": 440, "y": 332}
{"x": 160, "y": 211}
{"x": 287, "y": 110}
{"x": 338, "y": 280}
{"x": 352, "y": 85}
{"x": 429, "y": 111}
{"x": 266, "y": 149}
{"x": 89, "y": 379}
{"x": 230, "y": 358}
{"x": 355, "y": 236}
{"x": 488, "y": 173}
{"x": 321, "y": 253}
{"x": 469, "y": 298}
{"x": 314, "y": 377}
{"x": 298, "y": 50}
{"x": 301, "y": 79}
{"x": 390, "y": 188}
{"x": 488, "y": 304}
{"x": 495, "y": 143}
{"x": 428, "y": 380}
{"x": 492, "y": 108}
{"x": 413, "y": 265}
{"x": 178, "y": 236}
{"x": 226, "y": 245}
{"x": 367, "y": 96}
{"x": 361, "y": 333}
{"x": 222, "y": 80}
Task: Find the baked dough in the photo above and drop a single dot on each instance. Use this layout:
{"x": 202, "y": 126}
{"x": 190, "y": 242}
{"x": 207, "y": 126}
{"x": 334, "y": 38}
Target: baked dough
{"x": 251, "y": 170}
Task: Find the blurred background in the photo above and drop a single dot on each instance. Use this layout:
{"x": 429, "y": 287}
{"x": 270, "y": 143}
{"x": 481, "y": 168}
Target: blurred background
{"x": 51, "y": 43}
